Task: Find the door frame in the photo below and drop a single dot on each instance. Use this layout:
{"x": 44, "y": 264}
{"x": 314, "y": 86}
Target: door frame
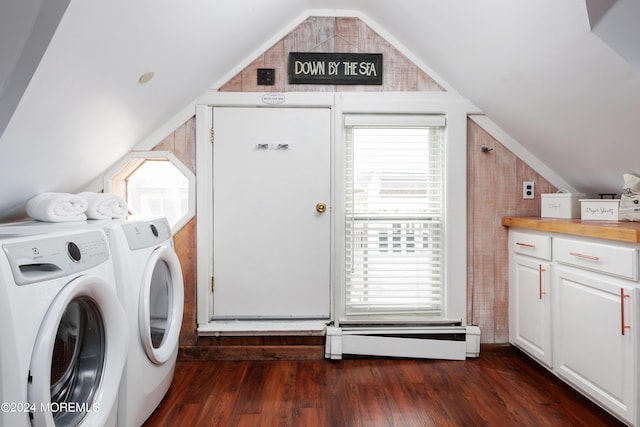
{"x": 204, "y": 176}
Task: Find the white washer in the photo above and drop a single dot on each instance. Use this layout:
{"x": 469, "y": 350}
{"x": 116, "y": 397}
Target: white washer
{"x": 151, "y": 290}
{"x": 63, "y": 330}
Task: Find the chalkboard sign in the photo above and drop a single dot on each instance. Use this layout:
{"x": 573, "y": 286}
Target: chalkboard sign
{"x": 335, "y": 68}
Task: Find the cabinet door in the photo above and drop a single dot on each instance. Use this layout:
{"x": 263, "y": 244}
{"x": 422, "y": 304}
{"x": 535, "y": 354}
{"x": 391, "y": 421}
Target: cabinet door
{"x": 594, "y": 337}
{"x": 530, "y": 317}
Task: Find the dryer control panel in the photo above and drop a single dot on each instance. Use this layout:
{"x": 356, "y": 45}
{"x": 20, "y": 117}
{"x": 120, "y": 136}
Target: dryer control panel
{"x": 44, "y": 258}
{"x": 145, "y": 234}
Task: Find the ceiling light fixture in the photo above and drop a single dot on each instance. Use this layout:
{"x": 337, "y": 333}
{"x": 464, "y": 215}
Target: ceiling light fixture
{"x": 145, "y": 77}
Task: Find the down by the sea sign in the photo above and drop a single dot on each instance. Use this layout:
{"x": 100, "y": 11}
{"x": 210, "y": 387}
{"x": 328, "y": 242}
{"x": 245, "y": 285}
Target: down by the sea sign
{"x": 335, "y": 68}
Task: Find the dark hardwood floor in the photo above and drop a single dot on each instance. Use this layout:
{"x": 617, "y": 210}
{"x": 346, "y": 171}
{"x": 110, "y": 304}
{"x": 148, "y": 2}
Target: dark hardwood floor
{"x": 501, "y": 388}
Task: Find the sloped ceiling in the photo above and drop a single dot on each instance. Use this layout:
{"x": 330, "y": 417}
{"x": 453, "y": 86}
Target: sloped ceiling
{"x": 533, "y": 66}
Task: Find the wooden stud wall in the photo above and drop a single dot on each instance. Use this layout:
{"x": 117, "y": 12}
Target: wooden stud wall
{"x": 494, "y": 190}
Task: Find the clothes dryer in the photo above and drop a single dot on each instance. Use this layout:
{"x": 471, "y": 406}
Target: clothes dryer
{"x": 65, "y": 348}
{"x": 151, "y": 290}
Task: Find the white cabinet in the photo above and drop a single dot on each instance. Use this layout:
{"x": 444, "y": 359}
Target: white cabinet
{"x": 594, "y": 340}
{"x": 530, "y": 295}
{"x": 573, "y": 308}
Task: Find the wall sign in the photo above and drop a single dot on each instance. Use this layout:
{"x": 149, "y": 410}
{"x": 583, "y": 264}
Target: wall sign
{"x": 335, "y": 68}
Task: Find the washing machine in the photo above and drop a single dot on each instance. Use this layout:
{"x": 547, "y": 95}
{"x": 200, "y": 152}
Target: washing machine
{"x": 8, "y": 353}
{"x": 151, "y": 289}
{"x": 63, "y": 330}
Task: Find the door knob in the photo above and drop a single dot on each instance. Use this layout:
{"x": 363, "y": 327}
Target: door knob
{"x": 321, "y": 207}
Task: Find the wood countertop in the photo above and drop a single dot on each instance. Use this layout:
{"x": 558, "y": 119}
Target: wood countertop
{"x": 621, "y": 231}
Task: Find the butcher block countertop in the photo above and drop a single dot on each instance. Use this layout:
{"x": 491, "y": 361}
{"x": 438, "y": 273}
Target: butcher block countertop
{"x": 622, "y": 231}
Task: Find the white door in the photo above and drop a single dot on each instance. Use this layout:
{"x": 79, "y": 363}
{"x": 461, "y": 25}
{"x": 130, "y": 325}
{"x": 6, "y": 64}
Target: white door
{"x": 271, "y": 240}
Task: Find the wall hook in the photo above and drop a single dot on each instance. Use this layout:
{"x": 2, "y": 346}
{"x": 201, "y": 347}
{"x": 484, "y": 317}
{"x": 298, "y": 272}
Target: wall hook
{"x": 485, "y": 148}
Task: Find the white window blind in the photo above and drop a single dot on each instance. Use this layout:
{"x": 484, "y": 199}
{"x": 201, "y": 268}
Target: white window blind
{"x": 394, "y": 216}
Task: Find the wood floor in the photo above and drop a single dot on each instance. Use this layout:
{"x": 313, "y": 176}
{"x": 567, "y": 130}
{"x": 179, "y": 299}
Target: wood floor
{"x": 501, "y": 388}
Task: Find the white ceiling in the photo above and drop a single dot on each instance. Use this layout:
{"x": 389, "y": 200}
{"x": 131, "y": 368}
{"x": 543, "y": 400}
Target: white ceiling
{"x": 534, "y": 67}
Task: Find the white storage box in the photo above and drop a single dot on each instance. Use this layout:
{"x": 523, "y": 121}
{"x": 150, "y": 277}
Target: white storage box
{"x": 599, "y": 209}
{"x": 561, "y": 205}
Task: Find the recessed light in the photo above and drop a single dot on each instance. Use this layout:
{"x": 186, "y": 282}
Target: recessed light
{"x": 145, "y": 77}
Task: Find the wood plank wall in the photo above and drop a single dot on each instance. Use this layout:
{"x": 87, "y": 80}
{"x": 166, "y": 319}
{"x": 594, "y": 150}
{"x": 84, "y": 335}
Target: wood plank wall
{"x": 494, "y": 190}
{"x": 329, "y": 34}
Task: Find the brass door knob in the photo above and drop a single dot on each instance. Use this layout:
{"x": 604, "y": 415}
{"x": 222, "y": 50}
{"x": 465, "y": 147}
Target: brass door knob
{"x": 321, "y": 207}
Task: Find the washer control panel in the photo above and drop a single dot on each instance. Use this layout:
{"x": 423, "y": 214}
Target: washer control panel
{"x": 44, "y": 258}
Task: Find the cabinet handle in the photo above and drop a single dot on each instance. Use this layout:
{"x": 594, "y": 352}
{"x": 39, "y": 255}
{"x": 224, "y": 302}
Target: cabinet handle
{"x": 526, "y": 245}
{"x": 579, "y": 255}
{"x": 541, "y": 270}
{"x": 622, "y": 322}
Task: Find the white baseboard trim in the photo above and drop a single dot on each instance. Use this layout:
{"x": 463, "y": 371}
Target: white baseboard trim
{"x": 263, "y": 328}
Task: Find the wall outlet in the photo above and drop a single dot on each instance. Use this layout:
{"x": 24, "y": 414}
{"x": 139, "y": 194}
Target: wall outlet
{"x": 528, "y": 190}
{"x": 266, "y": 76}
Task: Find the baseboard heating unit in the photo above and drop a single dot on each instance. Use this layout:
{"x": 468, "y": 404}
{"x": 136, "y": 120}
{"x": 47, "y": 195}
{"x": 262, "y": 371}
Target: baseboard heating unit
{"x": 437, "y": 342}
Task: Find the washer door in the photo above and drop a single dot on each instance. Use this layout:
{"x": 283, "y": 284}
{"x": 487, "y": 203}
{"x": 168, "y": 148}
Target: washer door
{"x": 79, "y": 356}
{"x": 161, "y": 305}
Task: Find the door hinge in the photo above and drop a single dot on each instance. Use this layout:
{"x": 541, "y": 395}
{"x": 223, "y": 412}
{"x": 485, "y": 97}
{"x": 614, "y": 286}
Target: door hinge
{"x": 212, "y": 135}
{"x": 212, "y": 285}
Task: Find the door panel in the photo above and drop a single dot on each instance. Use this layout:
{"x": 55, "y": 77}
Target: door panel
{"x": 271, "y": 247}
{"x": 531, "y": 319}
{"x": 590, "y": 349}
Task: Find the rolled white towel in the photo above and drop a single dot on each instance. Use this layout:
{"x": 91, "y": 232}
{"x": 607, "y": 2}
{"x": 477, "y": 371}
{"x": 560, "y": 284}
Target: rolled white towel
{"x": 105, "y": 206}
{"x": 57, "y": 207}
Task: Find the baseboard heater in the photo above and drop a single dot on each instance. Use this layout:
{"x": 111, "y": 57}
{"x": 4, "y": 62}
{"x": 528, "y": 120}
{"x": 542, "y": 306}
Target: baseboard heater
{"x": 437, "y": 342}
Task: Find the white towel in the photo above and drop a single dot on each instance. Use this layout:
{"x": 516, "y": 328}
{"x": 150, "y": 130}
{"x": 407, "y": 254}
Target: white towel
{"x": 105, "y": 206}
{"x": 57, "y": 207}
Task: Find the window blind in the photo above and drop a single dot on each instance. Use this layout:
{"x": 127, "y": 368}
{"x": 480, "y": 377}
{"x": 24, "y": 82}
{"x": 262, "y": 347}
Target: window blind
{"x": 394, "y": 216}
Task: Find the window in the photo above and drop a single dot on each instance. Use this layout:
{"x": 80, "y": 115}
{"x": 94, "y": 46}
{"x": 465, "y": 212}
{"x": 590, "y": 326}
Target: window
{"x": 394, "y": 201}
{"x": 157, "y": 187}
{"x": 154, "y": 183}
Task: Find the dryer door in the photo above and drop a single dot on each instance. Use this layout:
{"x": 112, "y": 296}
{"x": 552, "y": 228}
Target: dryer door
{"x": 79, "y": 356}
{"x": 161, "y": 305}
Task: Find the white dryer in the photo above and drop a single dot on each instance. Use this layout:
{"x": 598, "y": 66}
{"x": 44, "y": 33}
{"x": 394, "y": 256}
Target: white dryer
{"x": 151, "y": 290}
{"x": 64, "y": 334}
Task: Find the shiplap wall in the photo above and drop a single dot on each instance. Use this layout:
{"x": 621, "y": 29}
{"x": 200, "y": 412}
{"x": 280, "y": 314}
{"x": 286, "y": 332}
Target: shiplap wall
{"x": 494, "y": 190}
